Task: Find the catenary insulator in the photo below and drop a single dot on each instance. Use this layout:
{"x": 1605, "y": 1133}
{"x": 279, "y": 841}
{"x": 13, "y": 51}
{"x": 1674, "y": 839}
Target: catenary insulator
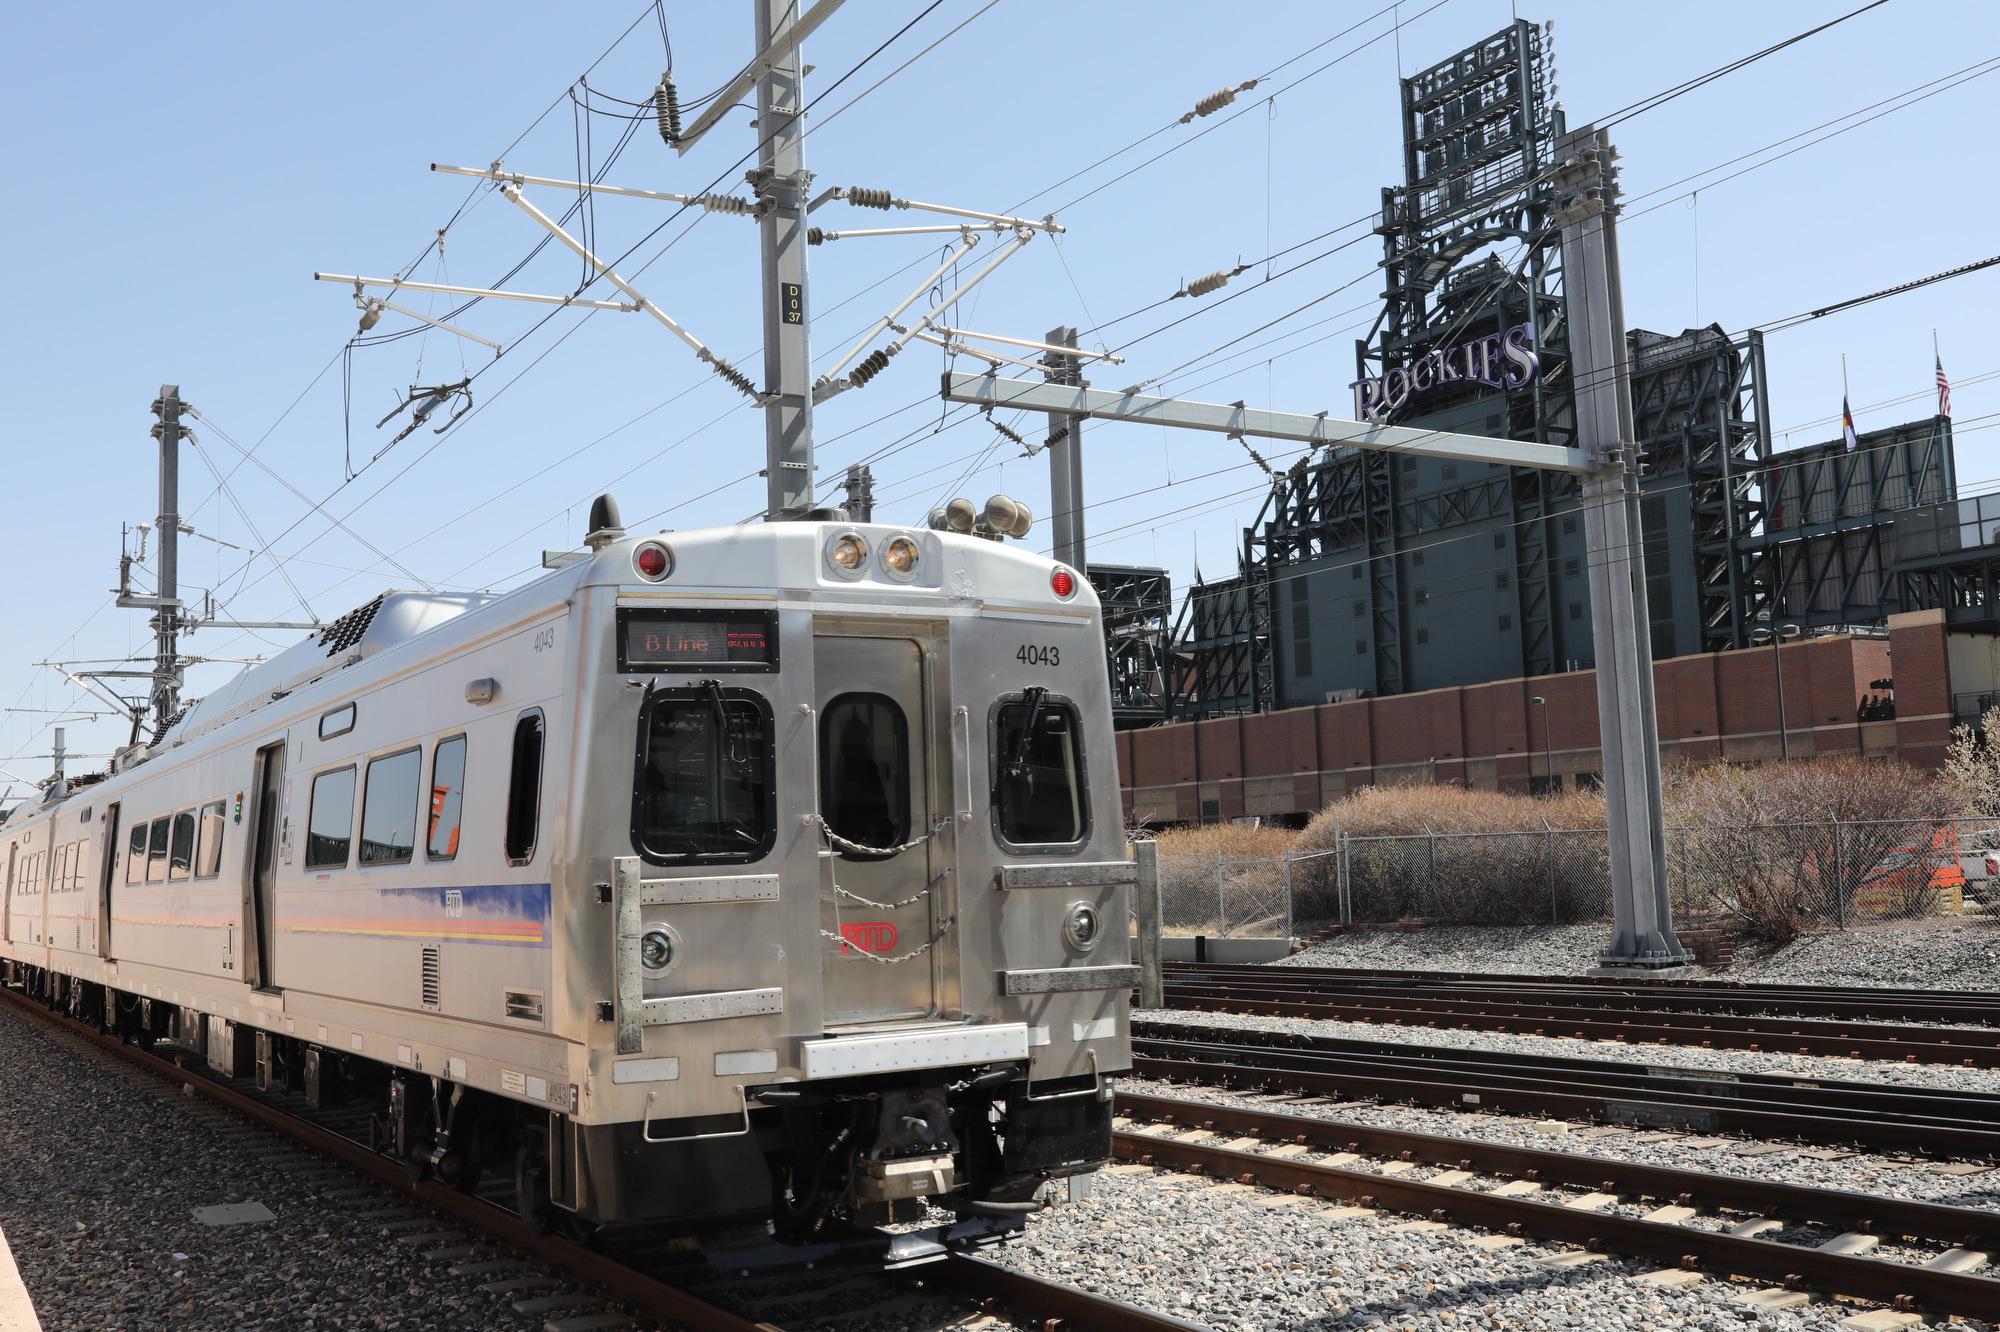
{"x": 1006, "y": 432}
{"x": 816, "y": 235}
{"x": 1216, "y": 100}
{"x": 734, "y": 376}
{"x": 725, "y": 203}
{"x": 862, "y": 197}
{"x": 667, "y": 106}
{"x": 1215, "y": 281}
{"x": 873, "y": 364}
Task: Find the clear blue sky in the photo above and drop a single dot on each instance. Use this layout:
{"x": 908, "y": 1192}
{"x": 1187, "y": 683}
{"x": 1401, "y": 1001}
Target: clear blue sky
{"x": 180, "y": 172}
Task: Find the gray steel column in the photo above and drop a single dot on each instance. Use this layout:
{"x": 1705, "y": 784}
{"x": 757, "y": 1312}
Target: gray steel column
{"x": 1147, "y": 911}
{"x": 781, "y": 183}
{"x": 1642, "y": 915}
{"x": 1066, "y": 457}
{"x": 166, "y": 620}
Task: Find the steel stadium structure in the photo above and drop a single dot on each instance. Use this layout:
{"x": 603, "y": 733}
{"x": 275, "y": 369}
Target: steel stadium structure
{"x": 1368, "y": 574}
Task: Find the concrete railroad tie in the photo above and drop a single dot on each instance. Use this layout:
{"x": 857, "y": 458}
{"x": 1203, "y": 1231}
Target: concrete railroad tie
{"x": 17, "y": 1311}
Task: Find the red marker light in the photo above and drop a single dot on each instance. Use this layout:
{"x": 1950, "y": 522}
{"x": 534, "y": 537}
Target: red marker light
{"x": 652, "y": 561}
{"x": 1063, "y": 583}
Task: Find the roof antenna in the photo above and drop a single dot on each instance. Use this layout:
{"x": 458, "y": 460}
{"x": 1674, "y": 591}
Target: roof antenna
{"x": 605, "y": 525}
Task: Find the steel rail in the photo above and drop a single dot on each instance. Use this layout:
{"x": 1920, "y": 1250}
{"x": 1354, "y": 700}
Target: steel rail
{"x": 1685, "y": 1112}
{"x": 1968, "y": 1049}
{"x": 1888, "y": 1005}
{"x": 1969, "y": 1227}
{"x": 1895, "y": 1284}
{"x": 659, "y": 1299}
{"x": 1872, "y": 1099}
{"x": 1055, "y": 1306}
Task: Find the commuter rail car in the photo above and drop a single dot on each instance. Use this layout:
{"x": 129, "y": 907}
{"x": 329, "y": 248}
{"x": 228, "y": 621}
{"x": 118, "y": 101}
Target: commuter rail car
{"x": 752, "y": 881}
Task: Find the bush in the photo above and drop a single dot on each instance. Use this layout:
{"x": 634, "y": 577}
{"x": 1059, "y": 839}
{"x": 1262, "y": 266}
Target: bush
{"x": 1252, "y": 878}
{"x": 1506, "y": 861}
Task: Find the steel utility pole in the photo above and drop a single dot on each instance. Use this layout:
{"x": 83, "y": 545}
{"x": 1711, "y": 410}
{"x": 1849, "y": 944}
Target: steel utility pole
{"x": 166, "y": 619}
{"x": 1065, "y": 447}
{"x": 781, "y": 183}
{"x": 1627, "y": 716}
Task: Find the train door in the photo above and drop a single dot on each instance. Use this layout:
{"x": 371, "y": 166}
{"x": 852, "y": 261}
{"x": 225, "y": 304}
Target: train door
{"x": 882, "y": 897}
{"x": 7, "y": 895}
{"x": 105, "y": 879}
{"x": 260, "y": 889}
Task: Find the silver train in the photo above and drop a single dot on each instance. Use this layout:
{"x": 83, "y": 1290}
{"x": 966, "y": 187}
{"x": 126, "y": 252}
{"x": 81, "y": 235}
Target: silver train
{"x": 753, "y": 881}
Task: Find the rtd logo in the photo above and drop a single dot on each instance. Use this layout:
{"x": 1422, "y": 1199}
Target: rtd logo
{"x": 869, "y": 936}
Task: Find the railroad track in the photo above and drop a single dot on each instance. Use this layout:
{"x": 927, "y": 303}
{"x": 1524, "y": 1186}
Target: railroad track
{"x": 1904, "y": 1121}
{"x": 1964, "y": 1007}
{"x": 508, "y": 1258}
{"x": 1680, "y": 1228}
{"x": 1610, "y": 1013}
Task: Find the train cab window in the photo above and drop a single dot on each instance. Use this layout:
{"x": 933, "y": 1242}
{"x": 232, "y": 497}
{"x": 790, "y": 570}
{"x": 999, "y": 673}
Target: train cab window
{"x": 705, "y": 790}
{"x": 864, "y": 771}
{"x": 330, "y": 828}
{"x": 447, "y": 798}
{"x": 156, "y": 855}
{"x": 1039, "y": 798}
{"x": 389, "y": 808}
{"x": 180, "y": 861}
{"x": 208, "y": 841}
{"x": 524, "y": 790}
{"x": 135, "y": 854}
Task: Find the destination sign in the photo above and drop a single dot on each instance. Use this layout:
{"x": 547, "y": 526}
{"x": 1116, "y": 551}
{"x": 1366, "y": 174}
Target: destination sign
{"x": 660, "y": 640}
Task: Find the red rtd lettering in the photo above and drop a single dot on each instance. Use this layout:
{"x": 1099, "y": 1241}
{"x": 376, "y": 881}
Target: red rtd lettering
{"x": 869, "y": 936}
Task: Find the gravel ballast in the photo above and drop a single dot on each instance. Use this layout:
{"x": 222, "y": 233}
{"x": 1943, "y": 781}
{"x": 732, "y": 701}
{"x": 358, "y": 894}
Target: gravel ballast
{"x": 105, "y": 1165}
{"x": 1949, "y": 954}
{"x": 1242, "y": 1259}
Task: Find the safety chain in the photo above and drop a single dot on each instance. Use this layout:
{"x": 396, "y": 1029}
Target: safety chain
{"x": 929, "y": 944}
{"x": 860, "y": 850}
{"x": 921, "y": 894}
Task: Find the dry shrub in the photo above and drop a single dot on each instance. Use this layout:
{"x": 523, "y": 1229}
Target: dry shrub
{"x": 1497, "y": 858}
{"x": 1757, "y": 847}
{"x": 1250, "y": 876}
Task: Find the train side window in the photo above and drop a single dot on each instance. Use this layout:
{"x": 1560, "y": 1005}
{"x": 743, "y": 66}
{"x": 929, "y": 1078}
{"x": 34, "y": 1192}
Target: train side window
{"x": 705, "y": 789}
{"x": 1039, "y": 793}
{"x": 524, "y": 789}
{"x": 208, "y": 841}
{"x": 337, "y": 722}
{"x": 389, "y": 808}
{"x": 330, "y": 829}
{"x": 135, "y": 854}
{"x": 156, "y": 856}
{"x": 447, "y": 798}
{"x": 864, "y": 772}
{"x": 180, "y": 860}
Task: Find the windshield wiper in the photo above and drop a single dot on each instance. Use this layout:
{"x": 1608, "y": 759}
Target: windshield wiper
{"x": 731, "y": 740}
{"x": 1017, "y": 766}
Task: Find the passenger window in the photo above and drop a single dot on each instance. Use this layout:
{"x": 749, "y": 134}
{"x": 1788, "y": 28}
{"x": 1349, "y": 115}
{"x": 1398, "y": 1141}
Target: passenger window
{"x": 864, "y": 772}
{"x": 524, "y": 789}
{"x": 1038, "y": 788}
{"x": 704, "y": 787}
{"x": 337, "y": 722}
{"x": 208, "y": 841}
{"x": 331, "y": 827}
{"x": 447, "y": 798}
{"x": 389, "y": 808}
{"x": 135, "y": 854}
{"x": 156, "y": 858}
{"x": 181, "y": 862}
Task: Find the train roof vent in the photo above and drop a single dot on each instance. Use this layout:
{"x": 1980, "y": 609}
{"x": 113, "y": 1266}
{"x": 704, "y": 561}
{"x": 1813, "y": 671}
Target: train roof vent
{"x": 349, "y": 629}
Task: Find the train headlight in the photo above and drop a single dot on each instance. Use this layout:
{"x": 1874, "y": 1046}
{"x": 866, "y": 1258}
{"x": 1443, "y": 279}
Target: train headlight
{"x": 847, "y": 554}
{"x": 1082, "y": 926}
{"x": 652, "y": 561}
{"x": 900, "y": 558}
{"x": 656, "y": 950}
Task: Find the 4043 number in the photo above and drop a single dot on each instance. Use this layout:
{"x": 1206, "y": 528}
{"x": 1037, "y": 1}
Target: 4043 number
{"x": 1038, "y": 654}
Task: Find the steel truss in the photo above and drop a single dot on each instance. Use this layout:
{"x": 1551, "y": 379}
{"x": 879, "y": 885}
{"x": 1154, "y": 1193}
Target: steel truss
{"x": 1137, "y": 604}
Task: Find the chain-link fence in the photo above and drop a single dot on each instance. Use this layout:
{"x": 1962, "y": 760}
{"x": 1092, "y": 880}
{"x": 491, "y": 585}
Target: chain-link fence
{"x": 1766, "y": 879}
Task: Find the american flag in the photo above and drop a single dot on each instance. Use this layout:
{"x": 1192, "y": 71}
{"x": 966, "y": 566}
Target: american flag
{"x": 1944, "y": 390}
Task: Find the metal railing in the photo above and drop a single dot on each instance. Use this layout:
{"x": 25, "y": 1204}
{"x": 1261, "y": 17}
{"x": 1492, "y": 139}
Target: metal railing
{"x": 1764, "y": 878}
